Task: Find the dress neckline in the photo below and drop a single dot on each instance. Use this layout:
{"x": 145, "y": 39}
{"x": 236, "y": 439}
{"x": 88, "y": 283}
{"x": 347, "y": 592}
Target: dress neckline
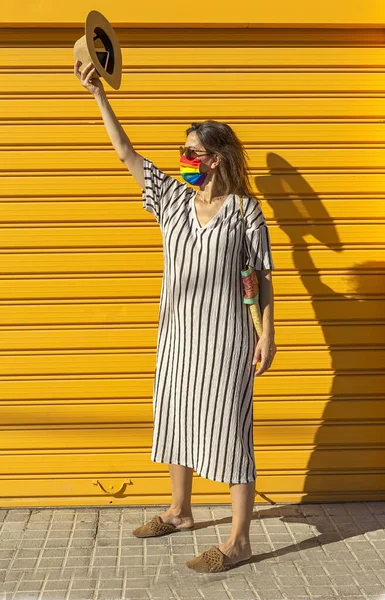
{"x": 194, "y": 212}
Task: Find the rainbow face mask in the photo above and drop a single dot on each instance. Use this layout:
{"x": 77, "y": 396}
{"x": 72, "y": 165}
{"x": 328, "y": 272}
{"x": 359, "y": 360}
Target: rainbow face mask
{"x": 189, "y": 170}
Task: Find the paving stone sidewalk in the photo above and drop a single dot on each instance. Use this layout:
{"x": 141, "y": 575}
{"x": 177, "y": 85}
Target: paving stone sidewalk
{"x": 315, "y": 551}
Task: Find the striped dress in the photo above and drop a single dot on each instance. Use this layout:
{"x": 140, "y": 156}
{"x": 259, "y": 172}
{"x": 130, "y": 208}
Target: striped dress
{"x": 203, "y": 386}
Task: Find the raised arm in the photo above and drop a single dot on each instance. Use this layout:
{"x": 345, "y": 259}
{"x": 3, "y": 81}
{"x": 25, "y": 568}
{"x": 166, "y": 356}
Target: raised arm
{"x": 120, "y": 140}
{"x": 116, "y": 133}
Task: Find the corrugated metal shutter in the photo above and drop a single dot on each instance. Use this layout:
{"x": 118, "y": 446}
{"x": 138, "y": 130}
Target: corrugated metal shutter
{"x": 81, "y": 261}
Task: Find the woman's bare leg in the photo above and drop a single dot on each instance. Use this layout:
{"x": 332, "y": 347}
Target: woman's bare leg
{"x": 180, "y": 513}
{"x": 237, "y": 546}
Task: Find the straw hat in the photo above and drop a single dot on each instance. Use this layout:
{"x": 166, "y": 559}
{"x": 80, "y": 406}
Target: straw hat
{"x": 100, "y": 46}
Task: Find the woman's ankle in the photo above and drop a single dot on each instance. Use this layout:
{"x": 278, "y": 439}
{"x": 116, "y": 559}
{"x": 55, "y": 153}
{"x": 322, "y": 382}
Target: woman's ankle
{"x": 180, "y": 511}
{"x": 239, "y": 541}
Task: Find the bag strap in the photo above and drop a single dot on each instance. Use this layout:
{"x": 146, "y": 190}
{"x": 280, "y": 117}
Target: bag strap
{"x": 244, "y": 229}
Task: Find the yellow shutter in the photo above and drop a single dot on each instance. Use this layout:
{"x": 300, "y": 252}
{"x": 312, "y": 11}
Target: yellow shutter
{"x": 81, "y": 261}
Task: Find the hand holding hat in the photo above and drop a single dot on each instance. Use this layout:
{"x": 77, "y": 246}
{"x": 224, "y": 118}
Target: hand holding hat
{"x": 95, "y": 86}
{"x": 98, "y": 54}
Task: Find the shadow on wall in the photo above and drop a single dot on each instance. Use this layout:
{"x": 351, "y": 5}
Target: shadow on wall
{"x": 356, "y": 384}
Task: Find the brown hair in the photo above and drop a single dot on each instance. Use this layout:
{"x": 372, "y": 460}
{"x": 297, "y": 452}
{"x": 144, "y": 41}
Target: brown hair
{"x": 222, "y": 140}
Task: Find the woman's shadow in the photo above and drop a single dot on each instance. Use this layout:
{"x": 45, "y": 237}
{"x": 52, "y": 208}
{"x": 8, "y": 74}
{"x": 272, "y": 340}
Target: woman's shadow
{"x": 346, "y": 462}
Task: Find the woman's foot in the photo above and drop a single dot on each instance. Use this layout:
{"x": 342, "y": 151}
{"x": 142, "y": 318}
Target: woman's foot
{"x": 220, "y": 558}
{"x": 180, "y": 520}
{"x": 235, "y": 551}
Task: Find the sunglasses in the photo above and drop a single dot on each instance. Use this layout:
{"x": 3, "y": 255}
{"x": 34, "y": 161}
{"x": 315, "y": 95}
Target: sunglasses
{"x": 190, "y": 153}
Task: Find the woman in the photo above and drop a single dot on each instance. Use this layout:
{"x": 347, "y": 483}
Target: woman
{"x": 207, "y": 345}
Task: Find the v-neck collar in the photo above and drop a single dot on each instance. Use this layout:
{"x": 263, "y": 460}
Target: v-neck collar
{"x": 194, "y": 213}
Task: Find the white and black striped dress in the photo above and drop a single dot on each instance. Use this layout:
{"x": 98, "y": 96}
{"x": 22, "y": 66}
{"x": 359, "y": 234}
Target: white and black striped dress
{"x": 203, "y": 386}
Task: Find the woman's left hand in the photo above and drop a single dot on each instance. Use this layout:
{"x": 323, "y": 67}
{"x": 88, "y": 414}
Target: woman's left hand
{"x": 264, "y": 352}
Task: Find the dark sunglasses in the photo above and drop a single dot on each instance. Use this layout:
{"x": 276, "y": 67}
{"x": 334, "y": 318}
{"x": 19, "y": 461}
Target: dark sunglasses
{"x": 189, "y": 152}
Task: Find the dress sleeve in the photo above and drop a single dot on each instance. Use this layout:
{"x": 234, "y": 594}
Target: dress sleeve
{"x": 257, "y": 237}
{"x": 157, "y": 186}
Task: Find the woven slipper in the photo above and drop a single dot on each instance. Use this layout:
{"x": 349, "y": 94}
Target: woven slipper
{"x": 212, "y": 561}
{"x": 156, "y": 527}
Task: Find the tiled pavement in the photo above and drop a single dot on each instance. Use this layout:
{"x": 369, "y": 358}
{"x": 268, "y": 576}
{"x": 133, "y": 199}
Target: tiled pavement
{"x": 316, "y": 551}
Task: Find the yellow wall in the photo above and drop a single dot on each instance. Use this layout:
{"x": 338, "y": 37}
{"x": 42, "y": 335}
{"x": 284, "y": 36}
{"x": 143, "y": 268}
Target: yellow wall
{"x": 81, "y": 261}
{"x": 153, "y": 13}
